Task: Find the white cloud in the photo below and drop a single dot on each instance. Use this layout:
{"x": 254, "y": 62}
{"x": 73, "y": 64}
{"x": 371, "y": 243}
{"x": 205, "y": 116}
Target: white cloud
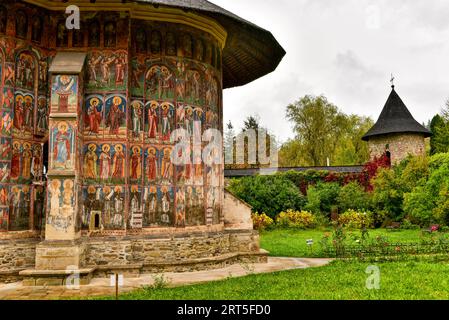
{"x": 346, "y": 50}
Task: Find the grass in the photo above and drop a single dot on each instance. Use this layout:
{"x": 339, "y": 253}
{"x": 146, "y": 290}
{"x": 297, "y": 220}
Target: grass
{"x": 292, "y": 243}
{"x": 337, "y": 281}
{"x": 414, "y": 280}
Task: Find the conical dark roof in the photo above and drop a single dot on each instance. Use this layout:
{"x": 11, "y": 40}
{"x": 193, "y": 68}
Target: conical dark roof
{"x": 395, "y": 118}
{"x": 250, "y": 52}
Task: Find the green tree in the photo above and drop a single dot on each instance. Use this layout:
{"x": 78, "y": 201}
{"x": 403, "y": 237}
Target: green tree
{"x": 229, "y": 146}
{"x": 445, "y": 111}
{"x": 317, "y": 124}
{"x": 291, "y": 154}
{"x": 323, "y": 131}
{"x": 439, "y": 127}
{"x": 252, "y": 123}
{"x": 351, "y": 149}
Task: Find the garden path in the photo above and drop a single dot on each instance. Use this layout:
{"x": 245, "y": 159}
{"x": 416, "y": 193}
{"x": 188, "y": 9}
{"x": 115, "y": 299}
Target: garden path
{"x": 102, "y": 287}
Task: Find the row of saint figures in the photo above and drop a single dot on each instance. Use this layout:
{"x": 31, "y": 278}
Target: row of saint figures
{"x": 155, "y": 206}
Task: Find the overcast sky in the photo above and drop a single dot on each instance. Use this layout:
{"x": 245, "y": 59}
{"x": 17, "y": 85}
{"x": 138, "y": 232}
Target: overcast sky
{"x": 346, "y": 50}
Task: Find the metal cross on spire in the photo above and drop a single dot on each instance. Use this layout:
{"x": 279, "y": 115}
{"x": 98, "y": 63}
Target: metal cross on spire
{"x": 392, "y": 81}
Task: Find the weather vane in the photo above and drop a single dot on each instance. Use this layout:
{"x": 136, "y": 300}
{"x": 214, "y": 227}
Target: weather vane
{"x": 392, "y": 81}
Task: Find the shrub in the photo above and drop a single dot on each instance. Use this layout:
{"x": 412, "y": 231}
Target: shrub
{"x": 261, "y": 221}
{"x": 295, "y": 219}
{"x": 419, "y": 205}
{"x": 356, "y": 220}
{"x": 388, "y": 194}
{"x": 353, "y": 196}
{"x": 391, "y": 187}
{"x": 408, "y": 225}
{"x": 269, "y": 194}
{"x": 322, "y": 197}
{"x": 428, "y": 202}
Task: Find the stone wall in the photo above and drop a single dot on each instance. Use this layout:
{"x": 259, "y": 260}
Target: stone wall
{"x": 400, "y": 146}
{"x": 152, "y": 253}
{"x": 182, "y": 249}
{"x": 16, "y": 255}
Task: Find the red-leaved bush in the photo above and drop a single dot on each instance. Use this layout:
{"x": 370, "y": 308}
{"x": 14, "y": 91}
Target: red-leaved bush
{"x": 370, "y": 170}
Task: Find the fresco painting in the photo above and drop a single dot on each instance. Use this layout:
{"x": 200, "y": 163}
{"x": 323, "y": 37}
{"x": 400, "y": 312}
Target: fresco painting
{"x": 104, "y": 163}
{"x": 195, "y": 206}
{"x": 62, "y": 146}
{"x": 213, "y": 205}
{"x": 26, "y": 70}
{"x": 3, "y": 19}
{"x": 6, "y": 123}
{"x": 135, "y": 164}
{"x": 124, "y": 139}
{"x": 64, "y": 94}
{"x": 136, "y": 123}
{"x": 7, "y": 100}
{"x": 19, "y": 208}
{"x": 42, "y": 116}
{"x": 159, "y": 83}
{"x": 93, "y": 116}
{"x": 5, "y": 171}
{"x": 158, "y": 203}
{"x": 4, "y": 216}
{"x": 135, "y": 220}
{"x": 39, "y": 207}
{"x": 4, "y": 207}
{"x": 61, "y": 201}
{"x": 26, "y": 161}
{"x": 5, "y": 149}
{"x": 180, "y": 207}
{"x": 152, "y": 166}
{"x": 107, "y": 70}
{"x": 115, "y": 116}
{"x": 160, "y": 121}
{"x": 110, "y": 201}
{"x": 23, "y": 119}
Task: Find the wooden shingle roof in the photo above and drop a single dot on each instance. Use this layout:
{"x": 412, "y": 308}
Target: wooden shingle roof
{"x": 395, "y": 118}
{"x": 250, "y": 51}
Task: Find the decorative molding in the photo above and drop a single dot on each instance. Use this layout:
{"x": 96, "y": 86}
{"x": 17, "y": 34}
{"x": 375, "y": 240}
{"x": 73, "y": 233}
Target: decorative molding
{"x": 146, "y": 12}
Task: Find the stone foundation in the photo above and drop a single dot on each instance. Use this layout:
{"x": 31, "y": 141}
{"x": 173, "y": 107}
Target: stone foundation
{"x": 15, "y": 256}
{"x": 181, "y": 253}
{"x": 131, "y": 255}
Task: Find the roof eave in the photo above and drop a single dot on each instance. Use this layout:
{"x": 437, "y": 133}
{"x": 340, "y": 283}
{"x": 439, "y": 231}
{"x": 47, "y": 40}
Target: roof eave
{"x": 368, "y": 136}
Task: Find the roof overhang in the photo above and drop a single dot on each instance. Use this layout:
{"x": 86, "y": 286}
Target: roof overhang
{"x": 249, "y": 52}
{"x": 68, "y": 62}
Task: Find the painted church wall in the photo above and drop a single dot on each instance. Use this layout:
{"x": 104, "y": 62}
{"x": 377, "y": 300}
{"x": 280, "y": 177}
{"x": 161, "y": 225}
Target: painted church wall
{"x": 134, "y": 100}
{"x": 138, "y": 88}
{"x": 24, "y": 116}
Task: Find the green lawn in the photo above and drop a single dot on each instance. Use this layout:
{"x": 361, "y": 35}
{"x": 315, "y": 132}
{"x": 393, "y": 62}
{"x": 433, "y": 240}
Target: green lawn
{"x": 339, "y": 280}
{"x": 292, "y": 243}
{"x": 422, "y": 279}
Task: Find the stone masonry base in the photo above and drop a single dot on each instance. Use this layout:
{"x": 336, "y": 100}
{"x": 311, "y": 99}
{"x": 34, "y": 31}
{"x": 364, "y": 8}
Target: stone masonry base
{"x": 135, "y": 255}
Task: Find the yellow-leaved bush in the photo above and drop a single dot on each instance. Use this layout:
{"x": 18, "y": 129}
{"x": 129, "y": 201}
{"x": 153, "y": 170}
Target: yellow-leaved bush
{"x": 295, "y": 219}
{"x": 356, "y": 219}
{"x": 261, "y": 221}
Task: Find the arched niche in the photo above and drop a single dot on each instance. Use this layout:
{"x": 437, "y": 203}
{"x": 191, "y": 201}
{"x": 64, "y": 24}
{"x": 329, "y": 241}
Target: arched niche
{"x": 3, "y": 19}
{"x": 21, "y": 24}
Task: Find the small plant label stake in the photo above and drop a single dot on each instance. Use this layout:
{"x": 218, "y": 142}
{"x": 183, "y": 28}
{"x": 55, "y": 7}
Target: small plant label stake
{"x": 310, "y": 244}
{"x": 117, "y": 281}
